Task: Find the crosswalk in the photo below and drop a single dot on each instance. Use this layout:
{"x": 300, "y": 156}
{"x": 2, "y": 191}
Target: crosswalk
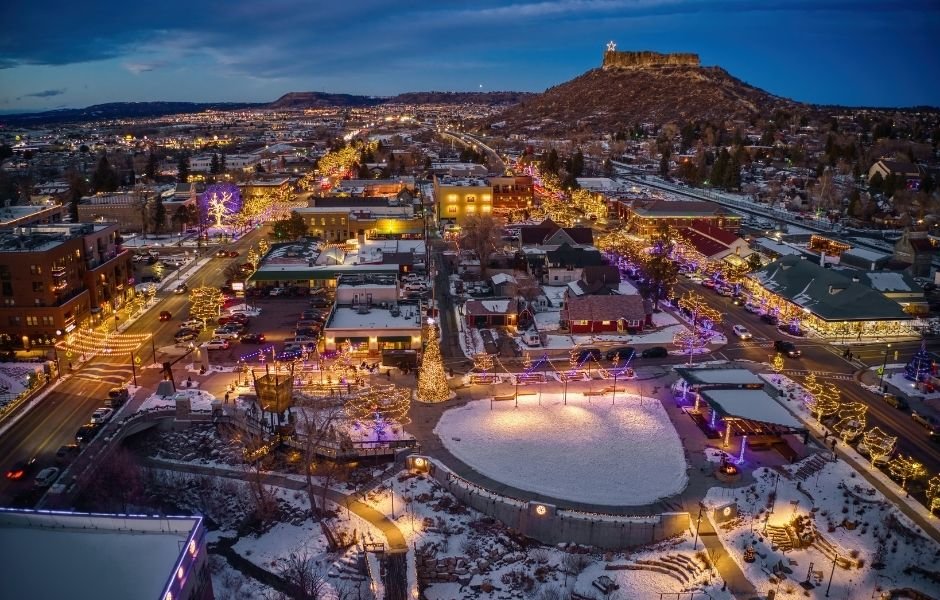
{"x": 105, "y": 373}
{"x": 821, "y": 374}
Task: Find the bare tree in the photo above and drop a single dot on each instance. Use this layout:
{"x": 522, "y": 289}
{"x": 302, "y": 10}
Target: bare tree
{"x": 482, "y": 234}
{"x": 317, "y": 416}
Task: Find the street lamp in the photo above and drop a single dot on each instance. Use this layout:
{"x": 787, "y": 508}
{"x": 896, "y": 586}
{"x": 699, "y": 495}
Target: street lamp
{"x": 884, "y": 365}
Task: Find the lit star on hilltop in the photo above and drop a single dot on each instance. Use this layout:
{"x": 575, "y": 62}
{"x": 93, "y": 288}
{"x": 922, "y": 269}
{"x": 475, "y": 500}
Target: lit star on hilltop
{"x": 611, "y": 46}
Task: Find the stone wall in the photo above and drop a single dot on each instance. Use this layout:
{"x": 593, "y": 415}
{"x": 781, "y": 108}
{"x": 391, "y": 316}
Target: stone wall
{"x": 626, "y": 60}
{"x": 550, "y": 525}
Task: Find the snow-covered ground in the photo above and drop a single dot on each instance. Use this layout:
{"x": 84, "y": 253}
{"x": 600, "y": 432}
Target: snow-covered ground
{"x": 200, "y": 400}
{"x": 898, "y": 380}
{"x": 853, "y": 519}
{"x": 487, "y": 563}
{"x": 582, "y": 445}
{"x": 14, "y": 377}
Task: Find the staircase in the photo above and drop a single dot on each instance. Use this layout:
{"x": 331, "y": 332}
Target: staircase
{"x": 810, "y": 467}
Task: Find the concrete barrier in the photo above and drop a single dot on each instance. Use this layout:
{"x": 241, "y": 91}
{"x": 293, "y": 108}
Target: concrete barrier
{"x": 551, "y": 525}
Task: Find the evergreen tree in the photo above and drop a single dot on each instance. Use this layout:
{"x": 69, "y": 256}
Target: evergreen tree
{"x": 214, "y": 165}
{"x": 222, "y": 166}
{"x": 182, "y": 168}
{"x": 733, "y": 174}
{"x": 551, "y": 164}
{"x": 159, "y": 215}
{"x": 151, "y": 170}
{"x": 664, "y": 162}
{"x": 576, "y": 164}
{"x": 720, "y": 168}
{"x": 432, "y": 381}
{"x": 105, "y": 178}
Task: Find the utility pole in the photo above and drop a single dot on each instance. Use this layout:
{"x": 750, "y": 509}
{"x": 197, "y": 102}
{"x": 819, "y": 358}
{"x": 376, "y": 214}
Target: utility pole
{"x": 698, "y": 524}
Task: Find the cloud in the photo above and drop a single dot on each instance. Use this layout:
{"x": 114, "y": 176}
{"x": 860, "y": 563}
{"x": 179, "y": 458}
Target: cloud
{"x": 141, "y": 67}
{"x": 43, "y": 94}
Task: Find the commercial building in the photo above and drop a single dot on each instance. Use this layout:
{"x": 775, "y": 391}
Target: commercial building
{"x": 126, "y": 208}
{"x": 369, "y": 315}
{"x": 108, "y": 557}
{"x": 460, "y": 198}
{"x": 833, "y": 303}
{"x": 56, "y": 277}
{"x": 32, "y": 214}
{"x": 645, "y": 218}
{"x": 511, "y": 194}
{"x": 603, "y": 314}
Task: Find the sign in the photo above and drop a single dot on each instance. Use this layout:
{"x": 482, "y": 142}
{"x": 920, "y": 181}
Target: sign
{"x": 238, "y": 286}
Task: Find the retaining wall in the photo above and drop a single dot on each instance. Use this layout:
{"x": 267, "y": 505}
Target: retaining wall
{"x": 551, "y": 525}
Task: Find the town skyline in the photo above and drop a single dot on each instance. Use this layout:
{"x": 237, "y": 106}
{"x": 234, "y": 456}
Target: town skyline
{"x": 868, "y": 54}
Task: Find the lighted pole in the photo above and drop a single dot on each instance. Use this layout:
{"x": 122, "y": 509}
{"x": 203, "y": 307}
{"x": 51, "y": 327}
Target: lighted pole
{"x": 134, "y": 369}
{"x": 698, "y": 523}
{"x": 831, "y": 574}
{"x": 884, "y": 365}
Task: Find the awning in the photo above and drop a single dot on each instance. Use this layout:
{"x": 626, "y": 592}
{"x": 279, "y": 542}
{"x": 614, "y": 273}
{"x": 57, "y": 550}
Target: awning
{"x": 395, "y": 338}
{"x": 753, "y": 405}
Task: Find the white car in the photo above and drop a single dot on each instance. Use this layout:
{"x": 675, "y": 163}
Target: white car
{"x": 278, "y": 291}
{"x": 742, "y": 332}
{"x": 217, "y": 344}
{"x": 192, "y": 324}
{"x": 751, "y": 307}
{"x": 415, "y": 287}
{"x": 46, "y": 477}
{"x": 224, "y": 333}
{"x": 102, "y": 415}
{"x": 696, "y": 279}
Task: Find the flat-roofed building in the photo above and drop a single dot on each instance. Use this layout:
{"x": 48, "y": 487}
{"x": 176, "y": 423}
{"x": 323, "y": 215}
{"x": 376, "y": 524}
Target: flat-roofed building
{"x": 56, "y": 277}
{"x": 126, "y": 208}
{"x": 645, "y": 218}
{"x": 459, "y": 198}
{"x": 107, "y": 557}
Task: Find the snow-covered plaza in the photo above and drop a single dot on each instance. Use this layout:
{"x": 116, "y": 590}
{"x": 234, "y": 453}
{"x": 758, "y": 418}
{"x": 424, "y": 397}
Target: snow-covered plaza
{"x": 625, "y": 453}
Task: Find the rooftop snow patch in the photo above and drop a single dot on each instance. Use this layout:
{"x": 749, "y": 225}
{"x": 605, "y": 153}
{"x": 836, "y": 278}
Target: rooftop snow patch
{"x": 753, "y": 405}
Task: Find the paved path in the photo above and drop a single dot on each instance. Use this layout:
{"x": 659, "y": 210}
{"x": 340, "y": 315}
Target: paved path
{"x": 396, "y": 541}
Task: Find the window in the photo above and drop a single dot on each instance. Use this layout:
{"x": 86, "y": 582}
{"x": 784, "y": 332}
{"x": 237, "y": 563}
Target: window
{"x": 452, "y": 210}
{"x": 35, "y": 269}
{"x": 332, "y": 220}
{"x": 30, "y": 320}
{"x": 470, "y": 199}
{"x": 48, "y": 321}
{"x": 470, "y": 209}
{"x": 9, "y": 302}
{"x": 38, "y": 287}
{"x": 14, "y": 321}
{"x": 322, "y": 220}
{"x": 581, "y": 322}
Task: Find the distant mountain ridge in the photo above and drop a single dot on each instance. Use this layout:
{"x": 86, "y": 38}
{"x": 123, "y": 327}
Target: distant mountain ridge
{"x": 119, "y": 110}
{"x": 289, "y": 101}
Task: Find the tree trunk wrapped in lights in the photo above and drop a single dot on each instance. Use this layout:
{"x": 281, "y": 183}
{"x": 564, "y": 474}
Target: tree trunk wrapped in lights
{"x": 824, "y": 403}
{"x": 933, "y": 492}
{"x": 905, "y": 468}
{"x": 205, "y": 303}
{"x": 432, "y": 381}
{"x": 811, "y": 389}
{"x": 852, "y": 419}
{"x": 878, "y": 444}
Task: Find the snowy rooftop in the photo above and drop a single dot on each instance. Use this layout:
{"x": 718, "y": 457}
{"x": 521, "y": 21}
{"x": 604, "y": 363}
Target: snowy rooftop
{"x": 889, "y": 282}
{"x": 754, "y": 405}
{"x": 376, "y": 318}
{"x": 729, "y": 376}
{"x": 70, "y": 555}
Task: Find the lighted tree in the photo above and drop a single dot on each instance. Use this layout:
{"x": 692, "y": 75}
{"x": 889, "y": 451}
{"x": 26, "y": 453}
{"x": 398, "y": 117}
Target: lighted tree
{"x": 263, "y": 247}
{"x": 904, "y": 468}
{"x": 205, "y": 303}
{"x": 920, "y": 365}
{"x": 878, "y": 444}
{"x": 158, "y": 270}
{"x": 220, "y": 201}
{"x": 432, "y": 381}
{"x": 778, "y": 363}
{"x": 253, "y": 257}
{"x": 852, "y": 419}
{"x": 377, "y": 405}
{"x": 811, "y": 388}
{"x": 824, "y": 403}
{"x": 691, "y": 342}
{"x": 933, "y": 492}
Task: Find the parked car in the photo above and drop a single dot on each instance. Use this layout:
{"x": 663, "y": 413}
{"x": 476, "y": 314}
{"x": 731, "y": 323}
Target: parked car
{"x": 46, "y": 477}
{"x": 742, "y": 332}
{"x": 230, "y": 319}
{"x": 226, "y": 333}
{"x": 531, "y": 338}
{"x": 709, "y": 283}
{"x": 185, "y": 335}
{"x": 655, "y": 352}
{"x": 86, "y": 433}
{"x": 165, "y": 315}
{"x": 320, "y": 302}
{"x": 67, "y": 452}
{"x": 725, "y": 291}
{"x": 102, "y": 415}
{"x": 896, "y": 401}
{"x": 217, "y": 344}
{"x": 22, "y": 469}
{"x": 117, "y": 396}
{"x": 232, "y": 254}
{"x": 622, "y": 353}
{"x": 181, "y": 289}
{"x": 586, "y": 354}
{"x": 253, "y": 338}
{"x": 194, "y": 324}
{"x": 928, "y": 422}
{"x": 787, "y": 348}
{"x": 278, "y": 291}
{"x": 752, "y": 307}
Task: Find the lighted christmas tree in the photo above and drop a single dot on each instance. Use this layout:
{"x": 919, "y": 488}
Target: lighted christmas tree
{"x": 920, "y": 365}
{"x": 432, "y": 382}
{"x": 933, "y": 492}
{"x": 811, "y": 389}
{"x": 379, "y": 404}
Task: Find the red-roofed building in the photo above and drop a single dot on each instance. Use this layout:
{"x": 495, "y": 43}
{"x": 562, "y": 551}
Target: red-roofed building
{"x": 603, "y": 314}
{"x": 489, "y": 313}
{"x": 713, "y": 243}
